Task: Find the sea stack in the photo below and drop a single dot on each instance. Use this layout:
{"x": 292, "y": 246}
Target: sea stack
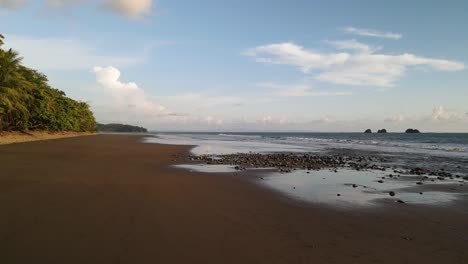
{"x": 412, "y": 131}
{"x": 382, "y": 131}
{"x": 368, "y": 131}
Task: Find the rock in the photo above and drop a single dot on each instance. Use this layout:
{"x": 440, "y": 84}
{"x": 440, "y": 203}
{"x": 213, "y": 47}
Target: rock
{"x": 407, "y": 238}
{"x": 380, "y": 181}
{"x": 368, "y": 131}
{"x": 391, "y": 193}
{"x": 338, "y": 194}
{"x": 354, "y": 185}
{"x": 400, "y": 201}
{"x": 412, "y": 131}
{"x": 382, "y": 131}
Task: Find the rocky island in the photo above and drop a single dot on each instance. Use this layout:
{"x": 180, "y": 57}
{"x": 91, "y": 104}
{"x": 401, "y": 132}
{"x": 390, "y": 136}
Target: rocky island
{"x": 412, "y": 131}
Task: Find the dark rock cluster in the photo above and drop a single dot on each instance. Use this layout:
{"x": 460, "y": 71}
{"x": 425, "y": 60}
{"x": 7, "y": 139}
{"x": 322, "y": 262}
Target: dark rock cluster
{"x": 285, "y": 162}
{"x": 412, "y": 131}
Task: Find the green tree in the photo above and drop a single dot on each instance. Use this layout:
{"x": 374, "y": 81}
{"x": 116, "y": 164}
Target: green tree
{"x": 28, "y": 102}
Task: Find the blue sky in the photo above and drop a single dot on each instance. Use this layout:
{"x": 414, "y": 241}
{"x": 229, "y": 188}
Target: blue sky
{"x": 252, "y": 65}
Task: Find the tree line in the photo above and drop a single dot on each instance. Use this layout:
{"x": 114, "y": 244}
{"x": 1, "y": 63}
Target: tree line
{"x": 28, "y": 102}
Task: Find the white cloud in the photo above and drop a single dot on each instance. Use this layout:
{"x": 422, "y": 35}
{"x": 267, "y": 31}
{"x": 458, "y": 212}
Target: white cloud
{"x": 372, "y": 33}
{"x": 63, "y": 54}
{"x": 126, "y": 100}
{"x": 439, "y": 113}
{"x": 128, "y": 103}
{"x": 12, "y": 4}
{"x": 298, "y": 90}
{"x": 363, "y": 67}
{"x": 295, "y": 55}
{"x": 129, "y": 8}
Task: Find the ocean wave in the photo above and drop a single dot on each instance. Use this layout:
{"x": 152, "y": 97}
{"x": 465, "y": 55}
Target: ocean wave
{"x": 394, "y": 144}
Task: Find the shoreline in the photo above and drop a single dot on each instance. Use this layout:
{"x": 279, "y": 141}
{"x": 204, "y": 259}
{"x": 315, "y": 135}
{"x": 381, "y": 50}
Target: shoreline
{"x": 111, "y": 198}
{"x": 20, "y": 137}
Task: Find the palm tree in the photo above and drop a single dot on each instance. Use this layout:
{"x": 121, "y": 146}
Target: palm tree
{"x": 13, "y": 99}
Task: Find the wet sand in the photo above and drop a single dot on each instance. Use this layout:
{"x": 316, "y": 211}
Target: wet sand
{"x": 111, "y": 199}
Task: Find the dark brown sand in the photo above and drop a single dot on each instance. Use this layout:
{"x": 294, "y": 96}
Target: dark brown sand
{"x": 110, "y": 199}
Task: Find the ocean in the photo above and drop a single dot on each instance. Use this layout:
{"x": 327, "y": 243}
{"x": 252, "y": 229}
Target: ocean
{"x": 447, "y": 152}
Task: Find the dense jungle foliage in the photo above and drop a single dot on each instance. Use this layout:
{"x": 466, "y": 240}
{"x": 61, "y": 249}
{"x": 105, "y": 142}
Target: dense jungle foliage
{"x": 27, "y": 102}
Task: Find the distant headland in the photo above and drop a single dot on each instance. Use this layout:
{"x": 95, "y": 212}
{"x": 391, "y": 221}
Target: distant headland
{"x": 121, "y": 128}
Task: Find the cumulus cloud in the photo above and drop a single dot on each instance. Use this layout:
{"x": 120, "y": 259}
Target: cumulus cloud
{"x": 298, "y": 90}
{"x": 12, "y": 4}
{"x": 129, "y": 8}
{"x": 439, "y": 113}
{"x": 127, "y": 99}
{"x": 127, "y": 102}
{"x": 372, "y": 33}
{"x": 362, "y": 65}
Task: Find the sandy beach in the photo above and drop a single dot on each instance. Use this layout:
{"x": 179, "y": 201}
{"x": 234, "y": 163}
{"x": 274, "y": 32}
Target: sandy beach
{"x": 18, "y": 137}
{"x": 112, "y": 199}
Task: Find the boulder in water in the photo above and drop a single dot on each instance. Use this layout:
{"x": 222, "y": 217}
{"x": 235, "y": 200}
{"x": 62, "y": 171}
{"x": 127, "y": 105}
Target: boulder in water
{"x": 368, "y": 131}
{"x": 382, "y": 131}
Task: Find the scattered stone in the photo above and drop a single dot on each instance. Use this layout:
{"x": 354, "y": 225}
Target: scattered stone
{"x": 400, "y": 201}
{"x": 380, "y": 181}
{"x": 355, "y": 186}
{"x": 407, "y": 238}
{"x": 392, "y": 193}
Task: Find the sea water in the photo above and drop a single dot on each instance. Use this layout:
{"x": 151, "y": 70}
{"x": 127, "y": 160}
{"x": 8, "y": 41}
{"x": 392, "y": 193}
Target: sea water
{"x": 434, "y": 151}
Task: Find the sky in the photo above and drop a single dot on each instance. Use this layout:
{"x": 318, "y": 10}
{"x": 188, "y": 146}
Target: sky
{"x": 257, "y": 65}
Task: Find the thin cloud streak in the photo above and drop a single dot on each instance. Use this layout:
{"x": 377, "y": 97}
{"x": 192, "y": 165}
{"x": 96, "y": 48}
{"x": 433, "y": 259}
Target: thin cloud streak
{"x": 371, "y": 33}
